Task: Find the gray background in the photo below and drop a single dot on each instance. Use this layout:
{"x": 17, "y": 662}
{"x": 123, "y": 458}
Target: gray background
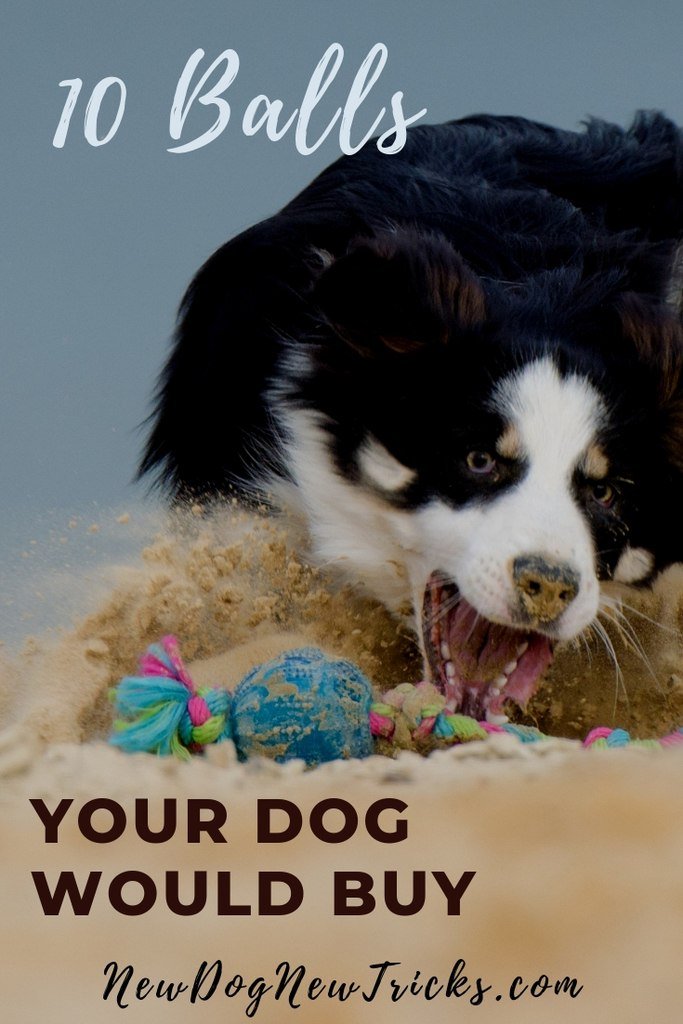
{"x": 98, "y": 244}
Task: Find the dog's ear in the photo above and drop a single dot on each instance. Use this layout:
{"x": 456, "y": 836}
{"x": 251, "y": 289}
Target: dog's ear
{"x": 399, "y": 291}
{"x": 655, "y": 334}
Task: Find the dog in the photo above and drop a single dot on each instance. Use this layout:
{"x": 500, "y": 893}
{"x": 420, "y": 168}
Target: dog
{"x": 463, "y": 364}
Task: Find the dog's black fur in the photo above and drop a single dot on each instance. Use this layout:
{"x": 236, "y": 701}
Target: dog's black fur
{"x": 415, "y": 280}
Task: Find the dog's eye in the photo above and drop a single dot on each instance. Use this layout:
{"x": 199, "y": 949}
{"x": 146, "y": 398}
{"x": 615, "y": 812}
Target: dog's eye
{"x": 602, "y": 492}
{"x": 481, "y": 463}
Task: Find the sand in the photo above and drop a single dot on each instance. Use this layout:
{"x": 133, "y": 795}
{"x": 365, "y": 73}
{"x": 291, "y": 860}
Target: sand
{"x": 577, "y": 854}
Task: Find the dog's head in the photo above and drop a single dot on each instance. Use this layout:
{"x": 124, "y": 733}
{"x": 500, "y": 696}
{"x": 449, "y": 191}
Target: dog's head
{"x": 493, "y": 450}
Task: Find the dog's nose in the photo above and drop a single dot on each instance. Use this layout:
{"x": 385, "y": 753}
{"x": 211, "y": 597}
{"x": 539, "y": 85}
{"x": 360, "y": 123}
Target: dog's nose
{"x": 544, "y": 588}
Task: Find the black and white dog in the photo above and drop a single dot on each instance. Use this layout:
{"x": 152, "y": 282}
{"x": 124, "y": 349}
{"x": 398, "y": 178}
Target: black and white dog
{"x": 463, "y": 362}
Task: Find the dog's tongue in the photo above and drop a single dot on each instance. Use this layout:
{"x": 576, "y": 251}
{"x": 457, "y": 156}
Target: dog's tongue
{"x": 489, "y": 663}
{"x": 480, "y": 649}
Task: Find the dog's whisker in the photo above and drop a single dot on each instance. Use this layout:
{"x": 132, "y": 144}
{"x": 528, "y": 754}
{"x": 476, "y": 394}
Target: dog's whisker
{"x": 606, "y": 641}
{"x": 653, "y": 622}
{"x": 631, "y": 641}
{"x": 589, "y": 654}
{"x": 626, "y": 630}
{"x": 475, "y": 623}
{"x": 443, "y": 610}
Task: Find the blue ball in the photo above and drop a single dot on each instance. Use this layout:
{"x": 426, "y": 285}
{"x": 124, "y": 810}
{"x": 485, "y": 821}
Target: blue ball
{"x": 303, "y": 704}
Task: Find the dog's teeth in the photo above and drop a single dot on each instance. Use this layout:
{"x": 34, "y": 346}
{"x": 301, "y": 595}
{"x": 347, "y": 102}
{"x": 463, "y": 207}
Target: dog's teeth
{"x": 510, "y": 668}
{"x": 450, "y": 670}
{"x": 445, "y": 651}
{"x": 522, "y": 648}
{"x": 494, "y": 719}
{"x": 500, "y": 682}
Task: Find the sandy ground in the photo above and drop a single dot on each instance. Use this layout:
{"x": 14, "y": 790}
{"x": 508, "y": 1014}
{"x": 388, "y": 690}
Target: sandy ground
{"x": 577, "y": 854}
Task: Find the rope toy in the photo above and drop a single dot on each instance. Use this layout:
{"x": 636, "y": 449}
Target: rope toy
{"x": 302, "y": 704}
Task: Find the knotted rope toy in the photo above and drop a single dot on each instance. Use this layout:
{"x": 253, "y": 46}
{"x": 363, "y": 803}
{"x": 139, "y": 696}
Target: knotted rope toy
{"x": 303, "y": 704}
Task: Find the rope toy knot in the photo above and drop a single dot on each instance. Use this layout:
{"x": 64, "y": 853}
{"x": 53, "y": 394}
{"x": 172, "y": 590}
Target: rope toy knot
{"x": 418, "y": 715}
{"x": 163, "y": 712}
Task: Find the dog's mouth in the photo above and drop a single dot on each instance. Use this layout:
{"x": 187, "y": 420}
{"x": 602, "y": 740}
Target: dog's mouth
{"x": 478, "y": 664}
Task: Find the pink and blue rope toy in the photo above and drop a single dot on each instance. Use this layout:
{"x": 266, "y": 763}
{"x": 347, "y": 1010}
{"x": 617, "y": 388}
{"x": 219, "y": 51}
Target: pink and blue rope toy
{"x": 303, "y": 704}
